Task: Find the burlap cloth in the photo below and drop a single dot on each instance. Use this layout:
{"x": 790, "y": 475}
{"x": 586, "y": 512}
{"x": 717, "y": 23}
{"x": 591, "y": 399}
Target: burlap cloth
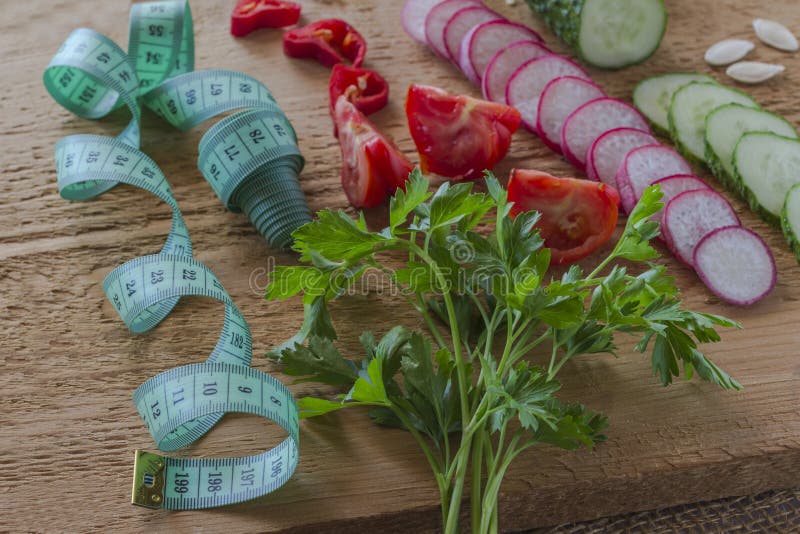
{"x": 770, "y": 512}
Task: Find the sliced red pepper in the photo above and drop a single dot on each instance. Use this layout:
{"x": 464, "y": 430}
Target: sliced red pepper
{"x": 250, "y": 15}
{"x": 329, "y": 41}
{"x": 372, "y": 166}
{"x": 577, "y": 216}
{"x": 456, "y": 135}
{"x": 365, "y": 88}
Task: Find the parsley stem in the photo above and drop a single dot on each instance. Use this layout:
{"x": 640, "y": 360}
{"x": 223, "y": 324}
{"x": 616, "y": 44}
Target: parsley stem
{"x": 552, "y": 359}
{"x": 451, "y": 527}
{"x": 475, "y": 491}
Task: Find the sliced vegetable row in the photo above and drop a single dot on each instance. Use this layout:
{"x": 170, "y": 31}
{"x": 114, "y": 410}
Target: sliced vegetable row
{"x": 752, "y": 152}
{"x": 606, "y": 138}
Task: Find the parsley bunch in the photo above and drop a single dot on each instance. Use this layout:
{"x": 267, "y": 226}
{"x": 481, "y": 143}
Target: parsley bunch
{"x": 464, "y": 389}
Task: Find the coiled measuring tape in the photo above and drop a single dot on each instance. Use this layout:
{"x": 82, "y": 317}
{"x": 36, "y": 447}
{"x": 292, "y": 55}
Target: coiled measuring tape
{"x": 252, "y": 161}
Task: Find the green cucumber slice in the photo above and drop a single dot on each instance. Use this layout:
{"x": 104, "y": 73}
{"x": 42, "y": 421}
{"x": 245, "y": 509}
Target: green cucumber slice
{"x": 653, "y": 96}
{"x": 790, "y": 219}
{"x": 690, "y": 106}
{"x": 609, "y": 34}
{"x": 726, "y": 125}
{"x": 767, "y": 166}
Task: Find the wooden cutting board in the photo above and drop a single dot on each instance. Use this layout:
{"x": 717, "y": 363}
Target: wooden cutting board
{"x": 69, "y": 366}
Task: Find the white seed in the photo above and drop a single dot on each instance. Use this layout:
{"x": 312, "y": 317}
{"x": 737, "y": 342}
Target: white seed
{"x": 753, "y": 71}
{"x": 775, "y": 35}
{"x": 728, "y": 51}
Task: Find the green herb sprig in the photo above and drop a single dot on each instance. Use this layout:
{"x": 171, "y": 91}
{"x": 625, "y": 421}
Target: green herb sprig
{"x": 467, "y": 394}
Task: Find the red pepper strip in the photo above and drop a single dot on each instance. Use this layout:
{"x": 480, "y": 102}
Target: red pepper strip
{"x": 250, "y": 15}
{"x": 329, "y": 41}
{"x": 364, "y": 88}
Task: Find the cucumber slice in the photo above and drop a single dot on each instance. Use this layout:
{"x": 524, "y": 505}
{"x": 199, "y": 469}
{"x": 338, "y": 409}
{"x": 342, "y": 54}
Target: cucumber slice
{"x": 768, "y": 166}
{"x": 608, "y": 34}
{"x": 690, "y": 106}
{"x": 790, "y": 219}
{"x": 653, "y": 96}
{"x": 726, "y": 125}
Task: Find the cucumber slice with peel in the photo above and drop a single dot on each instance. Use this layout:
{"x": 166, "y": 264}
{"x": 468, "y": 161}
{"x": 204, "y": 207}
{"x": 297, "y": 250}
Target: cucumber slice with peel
{"x": 767, "y": 166}
{"x": 690, "y": 106}
{"x": 653, "y": 96}
{"x": 790, "y": 219}
{"x": 726, "y": 125}
{"x": 608, "y": 34}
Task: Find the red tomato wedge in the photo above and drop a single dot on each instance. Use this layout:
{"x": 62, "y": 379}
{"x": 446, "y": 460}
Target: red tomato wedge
{"x": 458, "y": 136}
{"x": 578, "y": 216}
{"x": 372, "y": 166}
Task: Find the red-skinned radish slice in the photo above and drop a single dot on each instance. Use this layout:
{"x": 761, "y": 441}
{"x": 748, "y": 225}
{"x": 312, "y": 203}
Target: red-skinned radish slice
{"x": 461, "y": 23}
{"x": 593, "y": 119}
{"x": 525, "y": 86}
{"x": 609, "y": 150}
{"x": 413, "y": 17}
{"x": 436, "y": 20}
{"x": 674, "y": 185}
{"x": 504, "y": 64}
{"x": 691, "y": 216}
{"x": 463, "y": 56}
{"x": 643, "y": 166}
{"x": 736, "y": 265}
{"x": 483, "y": 41}
{"x": 559, "y": 99}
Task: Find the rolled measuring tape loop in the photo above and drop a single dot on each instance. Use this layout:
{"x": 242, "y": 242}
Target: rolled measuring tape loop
{"x": 180, "y": 405}
{"x": 91, "y": 76}
{"x": 250, "y": 158}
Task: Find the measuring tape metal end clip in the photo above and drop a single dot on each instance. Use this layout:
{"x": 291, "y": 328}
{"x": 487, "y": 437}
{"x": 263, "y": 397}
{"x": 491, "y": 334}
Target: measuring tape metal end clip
{"x": 148, "y": 479}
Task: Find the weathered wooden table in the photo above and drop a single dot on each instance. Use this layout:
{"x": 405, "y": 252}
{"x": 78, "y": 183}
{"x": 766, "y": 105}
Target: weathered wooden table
{"x": 69, "y": 366}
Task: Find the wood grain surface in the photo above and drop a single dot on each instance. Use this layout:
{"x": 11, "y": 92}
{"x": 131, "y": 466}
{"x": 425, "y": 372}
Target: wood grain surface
{"x": 69, "y": 366}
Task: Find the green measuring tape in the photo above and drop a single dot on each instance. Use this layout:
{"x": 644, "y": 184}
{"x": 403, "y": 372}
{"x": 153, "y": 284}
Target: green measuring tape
{"x": 252, "y": 161}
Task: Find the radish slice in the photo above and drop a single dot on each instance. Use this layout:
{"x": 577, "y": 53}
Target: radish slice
{"x": 642, "y": 167}
{"x": 609, "y": 150}
{"x": 525, "y": 86}
{"x": 483, "y": 41}
{"x": 436, "y": 20}
{"x": 504, "y": 63}
{"x": 691, "y": 216}
{"x": 559, "y": 99}
{"x": 461, "y": 23}
{"x": 593, "y": 119}
{"x": 672, "y": 186}
{"x": 413, "y": 17}
{"x": 736, "y": 265}
{"x": 463, "y": 55}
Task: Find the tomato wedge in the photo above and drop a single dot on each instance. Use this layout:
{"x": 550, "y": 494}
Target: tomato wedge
{"x": 372, "y": 166}
{"x": 456, "y": 135}
{"x": 578, "y": 216}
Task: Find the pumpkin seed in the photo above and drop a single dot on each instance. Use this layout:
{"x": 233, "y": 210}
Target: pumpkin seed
{"x": 753, "y": 71}
{"x": 728, "y": 51}
{"x": 775, "y": 35}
